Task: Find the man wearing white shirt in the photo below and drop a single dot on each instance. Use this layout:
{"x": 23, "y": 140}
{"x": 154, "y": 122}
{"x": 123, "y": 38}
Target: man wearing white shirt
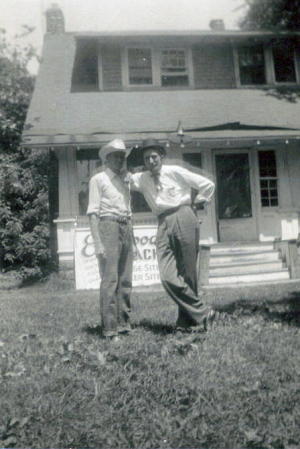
{"x": 167, "y": 190}
{"x": 109, "y": 213}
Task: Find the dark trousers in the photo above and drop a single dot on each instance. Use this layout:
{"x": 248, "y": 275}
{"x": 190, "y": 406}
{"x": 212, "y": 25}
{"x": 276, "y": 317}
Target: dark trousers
{"x": 116, "y": 276}
{"x": 177, "y": 250}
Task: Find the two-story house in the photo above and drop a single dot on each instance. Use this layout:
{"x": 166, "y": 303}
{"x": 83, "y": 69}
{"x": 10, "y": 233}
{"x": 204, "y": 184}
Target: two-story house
{"x": 223, "y": 101}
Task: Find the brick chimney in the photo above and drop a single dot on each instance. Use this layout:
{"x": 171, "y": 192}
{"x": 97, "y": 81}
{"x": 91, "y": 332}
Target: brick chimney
{"x": 55, "y": 21}
{"x": 217, "y": 25}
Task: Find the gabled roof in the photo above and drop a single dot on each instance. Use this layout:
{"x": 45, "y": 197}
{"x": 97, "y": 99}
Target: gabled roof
{"x": 58, "y": 117}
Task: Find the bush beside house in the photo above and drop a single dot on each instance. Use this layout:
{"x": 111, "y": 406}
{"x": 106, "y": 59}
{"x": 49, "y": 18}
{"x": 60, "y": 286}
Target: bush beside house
{"x": 24, "y": 209}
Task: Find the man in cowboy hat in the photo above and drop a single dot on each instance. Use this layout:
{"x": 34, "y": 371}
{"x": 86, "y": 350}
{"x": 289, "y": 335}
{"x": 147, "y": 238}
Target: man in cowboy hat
{"x": 109, "y": 213}
{"x": 167, "y": 190}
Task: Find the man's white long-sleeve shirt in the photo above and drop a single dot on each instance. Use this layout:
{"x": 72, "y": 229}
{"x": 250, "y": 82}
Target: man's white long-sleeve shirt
{"x": 175, "y": 187}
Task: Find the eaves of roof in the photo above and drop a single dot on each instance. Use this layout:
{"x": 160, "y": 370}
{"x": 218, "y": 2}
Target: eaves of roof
{"x": 161, "y": 33}
{"x": 190, "y": 36}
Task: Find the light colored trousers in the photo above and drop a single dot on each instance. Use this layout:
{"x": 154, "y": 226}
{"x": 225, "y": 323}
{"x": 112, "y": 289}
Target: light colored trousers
{"x": 177, "y": 245}
{"x": 116, "y": 276}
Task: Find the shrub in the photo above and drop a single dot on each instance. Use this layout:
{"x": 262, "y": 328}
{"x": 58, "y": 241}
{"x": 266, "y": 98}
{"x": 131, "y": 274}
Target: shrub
{"x": 24, "y": 216}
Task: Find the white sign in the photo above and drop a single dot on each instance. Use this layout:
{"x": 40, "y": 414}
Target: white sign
{"x": 86, "y": 266}
{"x": 145, "y": 267}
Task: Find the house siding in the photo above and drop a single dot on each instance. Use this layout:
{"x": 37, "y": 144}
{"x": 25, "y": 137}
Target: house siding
{"x": 213, "y": 67}
{"x": 111, "y": 68}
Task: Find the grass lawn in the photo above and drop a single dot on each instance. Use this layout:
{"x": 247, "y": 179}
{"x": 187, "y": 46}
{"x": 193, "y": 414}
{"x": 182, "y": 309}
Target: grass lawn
{"x": 63, "y": 386}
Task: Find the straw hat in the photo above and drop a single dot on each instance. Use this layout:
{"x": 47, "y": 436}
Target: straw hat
{"x": 114, "y": 146}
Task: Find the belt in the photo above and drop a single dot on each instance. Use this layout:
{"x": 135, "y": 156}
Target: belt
{"x": 118, "y": 219}
{"x": 171, "y": 211}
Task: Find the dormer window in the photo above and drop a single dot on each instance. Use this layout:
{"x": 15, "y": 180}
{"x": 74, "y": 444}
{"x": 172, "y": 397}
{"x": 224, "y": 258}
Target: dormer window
{"x": 174, "y": 70}
{"x": 284, "y": 63}
{"x": 140, "y": 66}
{"x": 251, "y": 65}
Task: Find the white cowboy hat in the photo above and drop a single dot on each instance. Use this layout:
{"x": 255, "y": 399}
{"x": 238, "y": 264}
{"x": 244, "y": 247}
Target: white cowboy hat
{"x": 114, "y": 146}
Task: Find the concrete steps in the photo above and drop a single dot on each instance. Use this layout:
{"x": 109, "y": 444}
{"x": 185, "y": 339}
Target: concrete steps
{"x": 241, "y": 262}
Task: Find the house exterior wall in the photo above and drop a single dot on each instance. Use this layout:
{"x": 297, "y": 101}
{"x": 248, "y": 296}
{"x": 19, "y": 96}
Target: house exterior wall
{"x": 213, "y": 67}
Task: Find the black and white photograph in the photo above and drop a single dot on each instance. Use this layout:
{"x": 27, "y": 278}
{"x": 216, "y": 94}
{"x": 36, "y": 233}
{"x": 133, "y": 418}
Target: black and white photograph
{"x": 150, "y": 224}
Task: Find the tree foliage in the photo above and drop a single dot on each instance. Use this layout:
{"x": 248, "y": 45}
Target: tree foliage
{"x": 24, "y": 223}
{"x": 272, "y": 15}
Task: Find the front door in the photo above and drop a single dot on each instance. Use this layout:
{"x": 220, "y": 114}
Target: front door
{"x": 235, "y": 211}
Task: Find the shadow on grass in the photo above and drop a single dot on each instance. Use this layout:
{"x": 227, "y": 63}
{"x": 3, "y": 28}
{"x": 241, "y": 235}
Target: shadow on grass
{"x": 93, "y": 330}
{"x": 156, "y": 328}
{"x": 285, "y": 310}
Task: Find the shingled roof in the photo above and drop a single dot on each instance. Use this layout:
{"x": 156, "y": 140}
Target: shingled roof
{"x": 60, "y": 117}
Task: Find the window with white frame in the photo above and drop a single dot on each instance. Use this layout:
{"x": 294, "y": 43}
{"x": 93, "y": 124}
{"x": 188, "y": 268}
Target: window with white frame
{"x": 260, "y": 64}
{"x": 251, "y": 62}
{"x": 284, "y": 62}
{"x": 140, "y": 66}
{"x": 268, "y": 178}
{"x": 174, "y": 69}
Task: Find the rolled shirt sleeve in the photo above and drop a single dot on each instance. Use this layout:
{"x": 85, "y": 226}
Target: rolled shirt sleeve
{"x": 204, "y": 186}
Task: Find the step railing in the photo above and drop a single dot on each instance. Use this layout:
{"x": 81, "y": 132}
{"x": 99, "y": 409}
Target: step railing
{"x": 290, "y": 254}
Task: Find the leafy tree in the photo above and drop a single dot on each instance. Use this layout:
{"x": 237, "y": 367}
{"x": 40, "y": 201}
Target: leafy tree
{"x": 24, "y": 229}
{"x": 272, "y": 15}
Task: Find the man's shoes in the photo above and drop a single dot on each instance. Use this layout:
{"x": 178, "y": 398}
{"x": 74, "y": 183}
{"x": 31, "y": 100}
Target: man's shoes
{"x": 212, "y": 317}
{"x": 113, "y": 338}
{"x": 124, "y": 331}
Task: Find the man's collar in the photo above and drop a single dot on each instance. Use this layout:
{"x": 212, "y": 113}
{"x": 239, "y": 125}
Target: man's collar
{"x": 156, "y": 174}
{"x": 122, "y": 175}
{"x": 110, "y": 173}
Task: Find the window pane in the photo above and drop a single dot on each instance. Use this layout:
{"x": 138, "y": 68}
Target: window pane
{"x": 263, "y": 172}
{"x": 173, "y": 68}
{"x": 267, "y": 170}
{"x": 233, "y": 180}
{"x": 140, "y": 66}
{"x": 267, "y": 163}
{"x": 263, "y": 184}
{"x": 174, "y": 80}
{"x": 173, "y": 59}
{"x": 271, "y": 172}
{"x": 252, "y": 65}
{"x": 284, "y": 64}
{"x": 273, "y": 193}
{"x": 264, "y": 193}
